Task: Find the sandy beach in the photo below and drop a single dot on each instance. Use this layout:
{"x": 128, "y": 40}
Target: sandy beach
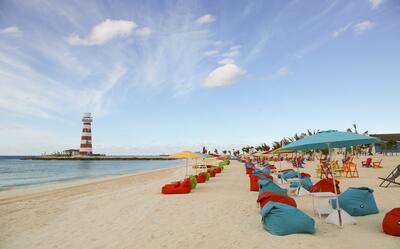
{"x": 129, "y": 212}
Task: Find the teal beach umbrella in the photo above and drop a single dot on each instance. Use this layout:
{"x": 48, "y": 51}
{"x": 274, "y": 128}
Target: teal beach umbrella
{"x": 328, "y": 140}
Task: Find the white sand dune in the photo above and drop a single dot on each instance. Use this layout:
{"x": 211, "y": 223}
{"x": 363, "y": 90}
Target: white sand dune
{"x": 129, "y": 212}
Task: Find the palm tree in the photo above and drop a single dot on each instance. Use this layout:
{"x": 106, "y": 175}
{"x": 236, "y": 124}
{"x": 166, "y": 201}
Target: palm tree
{"x": 265, "y": 147}
{"x": 276, "y": 145}
{"x": 355, "y": 130}
{"x": 356, "y": 149}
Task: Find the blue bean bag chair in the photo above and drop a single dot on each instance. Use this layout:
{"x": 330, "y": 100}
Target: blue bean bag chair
{"x": 258, "y": 173}
{"x": 290, "y": 174}
{"x": 267, "y": 185}
{"x": 247, "y": 165}
{"x": 282, "y": 219}
{"x": 358, "y": 201}
{"x": 305, "y": 182}
{"x": 266, "y": 170}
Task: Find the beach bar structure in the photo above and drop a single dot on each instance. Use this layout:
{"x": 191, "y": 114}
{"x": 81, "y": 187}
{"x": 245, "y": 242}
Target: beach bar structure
{"x": 86, "y": 139}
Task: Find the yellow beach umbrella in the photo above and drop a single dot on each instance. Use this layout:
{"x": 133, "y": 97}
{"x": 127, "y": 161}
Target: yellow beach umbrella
{"x": 264, "y": 155}
{"x": 185, "y": 155}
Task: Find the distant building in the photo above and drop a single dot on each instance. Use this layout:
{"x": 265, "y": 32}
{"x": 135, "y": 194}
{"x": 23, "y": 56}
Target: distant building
{"x": 71, "y": 152}
{"x": 387, "y": 139}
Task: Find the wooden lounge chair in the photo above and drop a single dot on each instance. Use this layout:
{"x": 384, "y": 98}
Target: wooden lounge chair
{"x": 368, "y": 163}
{"x": 325, "y": 172}
{"x": 377, "y": 164}
{"x": 350, "y": 170}
{"x": 391, "y": 178}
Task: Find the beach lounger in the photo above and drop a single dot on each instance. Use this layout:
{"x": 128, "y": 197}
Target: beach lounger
{"x": 368, "y": 163}
{"x": 350, "y": 170}
{"x": 377, "y": 164}
{"x": 391, "y": 178}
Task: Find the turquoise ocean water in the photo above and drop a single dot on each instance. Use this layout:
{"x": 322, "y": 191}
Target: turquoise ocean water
{"x": 16, "y": 173}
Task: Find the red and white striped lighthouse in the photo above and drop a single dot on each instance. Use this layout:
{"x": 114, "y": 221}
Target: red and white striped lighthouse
{"x": 86, "y": 140}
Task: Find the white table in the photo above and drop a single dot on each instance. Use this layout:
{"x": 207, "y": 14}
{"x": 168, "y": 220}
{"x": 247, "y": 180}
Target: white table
{"x": 316, "y": 204}
{"x": 298, "y": 184}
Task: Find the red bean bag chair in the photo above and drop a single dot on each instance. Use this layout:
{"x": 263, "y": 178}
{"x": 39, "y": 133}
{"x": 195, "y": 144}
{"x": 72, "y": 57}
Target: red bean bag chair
{"x": 391, "y": 222}
{"x": 267, "y": 176}
{"x": 325, "y": 185}
{"x": 201, "y": 177}
{"x": 254, "y": 182}
{"x": 177, "y": 188}
{"x": 212, "y": 172}
{"x": 249, "y": 171}
{"x": 265, "y": 197}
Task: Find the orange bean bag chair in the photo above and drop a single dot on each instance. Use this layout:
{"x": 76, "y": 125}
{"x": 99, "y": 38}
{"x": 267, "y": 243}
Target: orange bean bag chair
{"x": 325, "y": 185}
{"x": 391, "y": 222}
{"x": 201, "y": 177}
{"x": 183, "y": 187}
{"x": 254, "y": 182}
{"x": 265, "y": 197}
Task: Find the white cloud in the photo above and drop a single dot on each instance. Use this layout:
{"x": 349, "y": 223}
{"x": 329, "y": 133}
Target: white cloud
{"x": 338, "y": 32}
{"x": 10, "y": 30}
{"x": 232, "y": 53}
{"x": 375, "y": 3}
{"x": 226, "y": 61}
{"x": 142, "y": 32}
{"x": 282, "y": 72}
{"x": 104, "y": 32}
{"x": 205, "y": 19}
{"x": 218, "y": 43}
{"x": 224, "y": 75}
{"x": 237, "y": 47}
{"x": 211, "y": 53}
{"x": 359, "y": 28}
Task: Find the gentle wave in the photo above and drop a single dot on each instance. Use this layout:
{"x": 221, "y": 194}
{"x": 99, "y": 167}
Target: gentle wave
{"x": 15, "y": 173}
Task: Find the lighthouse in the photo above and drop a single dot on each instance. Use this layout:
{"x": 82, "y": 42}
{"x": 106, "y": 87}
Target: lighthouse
{"x": 86, "y": 139}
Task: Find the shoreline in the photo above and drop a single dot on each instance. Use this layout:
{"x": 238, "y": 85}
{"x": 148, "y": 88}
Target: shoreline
{"x": 23, "y": 191}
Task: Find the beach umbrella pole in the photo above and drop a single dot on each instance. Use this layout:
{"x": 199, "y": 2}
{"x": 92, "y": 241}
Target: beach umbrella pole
{"x": 338, "y": 216}
{"x": 186, "y": 168}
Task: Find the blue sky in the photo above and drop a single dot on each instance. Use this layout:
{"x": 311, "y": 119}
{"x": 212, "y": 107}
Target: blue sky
{"x": 161, "y": 76}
